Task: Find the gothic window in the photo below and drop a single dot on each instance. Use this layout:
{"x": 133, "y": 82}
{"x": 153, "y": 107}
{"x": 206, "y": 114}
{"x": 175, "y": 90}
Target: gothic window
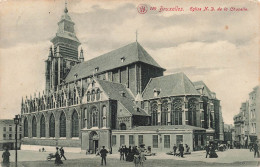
{"x": 154, "y": 114}
{"x": 192, "y": 106}
{"x": 62, "y": 99}
{"x": 42, "y": 126}
{"x": 52, "y": 126}
{"x": 98, "y": 94}
{"x": 74, "y": 96}
{"x": 122, "y": 126}
{"x": 25, "y": 127}
{"x": 75, "y": 124}
{"x": 104, "y": 109}
{"x": 62, "y": 125}
{"x": 34, "y": 127}
{"x": 94, "y": 117}
{"x": 164, "y": 113}
{"x": 93, "y": 95}
{"x": 86, "y": 118}
{"x": 176, "y": 114}
{"x": 88, "y": 96}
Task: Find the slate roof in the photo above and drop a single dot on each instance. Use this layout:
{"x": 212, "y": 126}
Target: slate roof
{"x": 7, "y": 121}
{"x": 114, "y": 91}
{"x": 206, "y": 91}
{"x": 131, "y": 53}
{"x": 170, "y": 85}
{"x": 168, "y": 127}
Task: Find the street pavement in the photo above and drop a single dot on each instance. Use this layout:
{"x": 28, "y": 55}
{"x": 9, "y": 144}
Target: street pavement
{"x": 232, "y": 157}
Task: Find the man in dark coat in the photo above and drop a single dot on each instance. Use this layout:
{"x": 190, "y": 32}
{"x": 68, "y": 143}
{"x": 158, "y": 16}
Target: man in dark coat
{"x": 62, "y": 153}
{"x": 181, "y": 149}
{"x": 5, "y": 157}
{"x": 174, "y": 149}
{"x": 256, "y": 151}
{"x": 103, "y": 153}
{"x": 122, "y": 153}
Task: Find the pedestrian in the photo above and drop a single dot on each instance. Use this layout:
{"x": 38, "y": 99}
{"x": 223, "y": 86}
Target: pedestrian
{"x": 174, "y": 149}
{"x": 212, "y": 152}
{"x": 126, "y": 151}
{"x": 137, "y": 159}
{"x": 181, "y": 149}
{"x": 103, "y": 153}
{"x": 207, "y": 150}
{"x": 187, "y": 149}
{"x": 256, "y": 151}
{"x": 62, "y": 153}
{"x": 142, "y": 156}
{"x": 57, "y": 157}
{"x": 5, "y": 157}
{"x": 122, "y": 154}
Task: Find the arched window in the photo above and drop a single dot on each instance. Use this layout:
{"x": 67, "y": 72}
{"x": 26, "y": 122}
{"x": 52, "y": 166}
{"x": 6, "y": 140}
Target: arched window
{"x": 164, "y": 113}
{"x": 192, "y": 106}
{"x": 62, "y": 99}
{"x": 75, "y": 124}
{"x": 176, "y": 114}
{"x": 98, "y": 94}
{"x": 154, "y": 114}
{"x": 74, "y": 97}
{"x": 122, "y": 126}
{"x": 25, "y": 127}
{"x": 93, "y": 95}
{"x": 62, "y": 125}
{"x": 104, "y": 109}
{"x": 52, "y": 126}
{"x": 94, "y": 117}
{"x": 88, "y": 96}
{"x": 86, "y": 117}
{"x": 42, "y": 126}
{"x": 34, "y": 127}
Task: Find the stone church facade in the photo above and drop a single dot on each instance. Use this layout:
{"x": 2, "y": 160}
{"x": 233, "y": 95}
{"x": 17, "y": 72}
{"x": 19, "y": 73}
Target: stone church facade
{"x": 109, "y": 98}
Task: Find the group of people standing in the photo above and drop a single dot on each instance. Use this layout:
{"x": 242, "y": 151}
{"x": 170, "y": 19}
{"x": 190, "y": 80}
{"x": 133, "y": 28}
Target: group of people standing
{"x": 133, "y": 154}
{"x": 181, "y": 150}
{"x": 211, "y": 151}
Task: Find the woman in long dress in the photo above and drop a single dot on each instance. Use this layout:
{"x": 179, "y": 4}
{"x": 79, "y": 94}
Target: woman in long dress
{"x": 57, "y": 157}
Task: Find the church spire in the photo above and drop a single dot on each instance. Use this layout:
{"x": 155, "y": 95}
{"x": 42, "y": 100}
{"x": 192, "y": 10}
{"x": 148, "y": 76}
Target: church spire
{"x": 66, "y": 9}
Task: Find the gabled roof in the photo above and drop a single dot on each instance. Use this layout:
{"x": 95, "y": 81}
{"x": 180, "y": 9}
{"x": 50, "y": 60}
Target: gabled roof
{"x": 202, "y": 85}
{"x": 130, "y": 53}
{"x": 115, "y": 90}
{"x": 170, "y": 85}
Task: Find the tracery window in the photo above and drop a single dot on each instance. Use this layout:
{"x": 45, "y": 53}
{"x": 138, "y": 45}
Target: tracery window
{"x": 192, "y": 107}
{"x": 154, "y": 114}
{"x": 75, "y": 124}
{"x": 62, "y": 125}
{"x": 176, "y": 114}
{"x": 52, "y": 126}
{"x": 25, "y": 127}
{"x": 42, "y": 126}
{"x": 34, "y": 127}
{"x": 94, "y": 117}
{"x": 164, "y": 113}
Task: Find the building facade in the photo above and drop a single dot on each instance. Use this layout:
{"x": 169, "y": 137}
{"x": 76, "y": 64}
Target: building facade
{"x": 94, "y": 103}
{"x": 7, "y": 137}
{"x": 254, "y": 115}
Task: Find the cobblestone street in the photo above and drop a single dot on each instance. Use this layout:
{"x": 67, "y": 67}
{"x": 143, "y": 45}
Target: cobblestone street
{"x": 235, "y": 157}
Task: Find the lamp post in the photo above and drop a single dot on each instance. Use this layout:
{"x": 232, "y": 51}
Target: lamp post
{"x": 16, "y": 122}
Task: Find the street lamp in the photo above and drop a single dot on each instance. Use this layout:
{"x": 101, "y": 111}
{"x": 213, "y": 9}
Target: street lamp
{"x": 17, "y": 120}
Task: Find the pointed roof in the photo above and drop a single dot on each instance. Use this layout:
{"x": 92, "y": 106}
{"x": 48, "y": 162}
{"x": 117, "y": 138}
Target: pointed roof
{"x": 123, "y": 56}
{"x": 119, "y": 92}
{"x": 202, "y": 85}
{"x": 170, "y": 85}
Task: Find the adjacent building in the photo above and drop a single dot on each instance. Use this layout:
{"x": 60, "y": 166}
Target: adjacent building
{"x": 254, "y": 115}
{"x": 119, "y": 98}
{"x": 7, "y": 134}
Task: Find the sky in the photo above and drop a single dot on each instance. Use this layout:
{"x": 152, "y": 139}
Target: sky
{"x": 218, "y": 47}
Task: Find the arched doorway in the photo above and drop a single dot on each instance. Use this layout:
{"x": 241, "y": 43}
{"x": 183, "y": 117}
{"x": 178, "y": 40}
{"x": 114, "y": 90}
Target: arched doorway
{"x": 93, "y": 141}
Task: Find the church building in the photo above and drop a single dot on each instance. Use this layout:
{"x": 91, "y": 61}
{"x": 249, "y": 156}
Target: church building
{"x": 119, "y": 98}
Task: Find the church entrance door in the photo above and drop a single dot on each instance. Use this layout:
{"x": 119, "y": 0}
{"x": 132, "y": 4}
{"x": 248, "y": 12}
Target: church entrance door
{"x": 93, "y": 141}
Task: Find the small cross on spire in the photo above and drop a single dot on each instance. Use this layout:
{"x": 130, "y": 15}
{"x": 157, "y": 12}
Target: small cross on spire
{"x": 136, "y": 35}
{"x": 66, "y": 9}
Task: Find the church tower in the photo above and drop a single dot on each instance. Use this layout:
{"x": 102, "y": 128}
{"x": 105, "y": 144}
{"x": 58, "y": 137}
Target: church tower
{"x": 64, "y": 53}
